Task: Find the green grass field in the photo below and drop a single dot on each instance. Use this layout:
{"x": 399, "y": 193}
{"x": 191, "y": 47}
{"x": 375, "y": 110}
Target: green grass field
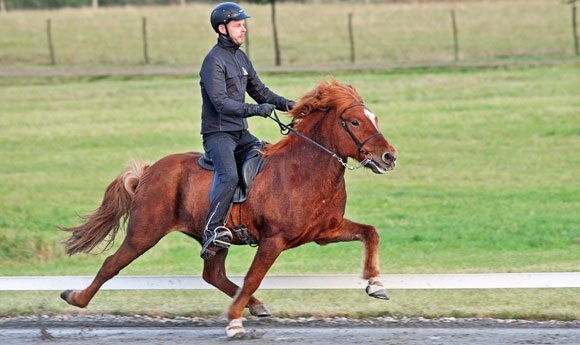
{"x": 487, "y": 181}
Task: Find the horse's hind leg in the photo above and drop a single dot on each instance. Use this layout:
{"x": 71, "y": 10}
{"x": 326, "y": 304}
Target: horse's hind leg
{"x": 214, "y": 273}
{"x": 131, "y": 248}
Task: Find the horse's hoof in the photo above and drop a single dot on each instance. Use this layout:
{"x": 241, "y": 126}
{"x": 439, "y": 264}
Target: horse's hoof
{"x": 376, "y": 289}
{"x": 260, "y": 310}
{"x": 64, "y": 295}
{"x": 235, "y": 330}
{"x": 71, "y": 297}
{"x": 380, "y": 294}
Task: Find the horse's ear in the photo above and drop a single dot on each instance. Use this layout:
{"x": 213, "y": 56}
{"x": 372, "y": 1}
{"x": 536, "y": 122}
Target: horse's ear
{"x": 306, "y": 109}
{"x": 300, "y": 111}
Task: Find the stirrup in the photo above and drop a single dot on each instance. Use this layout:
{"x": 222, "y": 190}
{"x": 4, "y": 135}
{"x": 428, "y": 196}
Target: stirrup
{"x": 220, "y": 239}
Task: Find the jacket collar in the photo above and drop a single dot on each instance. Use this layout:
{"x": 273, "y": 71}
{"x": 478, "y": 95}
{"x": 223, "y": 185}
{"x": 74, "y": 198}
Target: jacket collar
{"x": 227, "y": 43}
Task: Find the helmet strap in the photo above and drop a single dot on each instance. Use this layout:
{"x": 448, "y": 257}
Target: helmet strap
{"x": 227, "y": 34}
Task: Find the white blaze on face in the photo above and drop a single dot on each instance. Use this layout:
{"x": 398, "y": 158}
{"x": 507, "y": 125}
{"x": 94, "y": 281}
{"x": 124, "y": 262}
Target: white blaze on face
{"x": 373, "y": 118}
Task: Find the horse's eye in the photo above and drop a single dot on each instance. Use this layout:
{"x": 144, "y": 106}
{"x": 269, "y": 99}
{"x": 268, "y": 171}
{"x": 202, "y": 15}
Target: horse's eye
{"x": 354, "y": 122}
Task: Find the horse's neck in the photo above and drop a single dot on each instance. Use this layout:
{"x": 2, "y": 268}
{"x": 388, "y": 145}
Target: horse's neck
{"x": 310, "y": 165}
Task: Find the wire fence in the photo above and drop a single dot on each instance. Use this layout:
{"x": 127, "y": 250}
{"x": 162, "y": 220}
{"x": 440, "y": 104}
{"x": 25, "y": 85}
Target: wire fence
{"x": 308, "y": 34}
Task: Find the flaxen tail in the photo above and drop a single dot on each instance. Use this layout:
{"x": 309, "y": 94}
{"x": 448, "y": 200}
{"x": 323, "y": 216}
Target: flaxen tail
{"x": 104, "y": 223}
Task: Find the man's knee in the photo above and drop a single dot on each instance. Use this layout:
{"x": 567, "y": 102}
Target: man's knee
{"x": 228, "y": 179}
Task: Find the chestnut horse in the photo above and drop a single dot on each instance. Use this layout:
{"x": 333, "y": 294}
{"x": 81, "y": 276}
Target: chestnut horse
{"x": 298, "y": 197}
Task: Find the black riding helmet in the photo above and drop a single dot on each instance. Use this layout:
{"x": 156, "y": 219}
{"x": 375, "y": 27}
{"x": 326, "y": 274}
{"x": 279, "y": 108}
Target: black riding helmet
{"x": 225, "y": 12}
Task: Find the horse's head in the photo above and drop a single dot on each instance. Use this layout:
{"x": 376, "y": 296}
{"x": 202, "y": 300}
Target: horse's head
{"x": 348, "y": 125}
{"x": 362, "y": 127}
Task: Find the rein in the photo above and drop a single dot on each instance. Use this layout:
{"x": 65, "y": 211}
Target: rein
{"x": 285, "y": 129}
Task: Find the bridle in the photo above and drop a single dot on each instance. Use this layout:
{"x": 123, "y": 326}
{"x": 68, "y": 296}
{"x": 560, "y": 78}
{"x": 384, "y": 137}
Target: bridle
{"x": 345, "y": 126}
{"x": 285, "y": 129}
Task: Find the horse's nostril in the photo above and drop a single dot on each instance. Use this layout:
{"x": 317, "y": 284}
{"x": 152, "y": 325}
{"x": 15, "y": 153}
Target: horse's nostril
{"x": 389, "y": 158}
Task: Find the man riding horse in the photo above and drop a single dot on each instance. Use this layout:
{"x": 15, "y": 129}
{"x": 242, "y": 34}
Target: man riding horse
{"x": 226, "y": 75}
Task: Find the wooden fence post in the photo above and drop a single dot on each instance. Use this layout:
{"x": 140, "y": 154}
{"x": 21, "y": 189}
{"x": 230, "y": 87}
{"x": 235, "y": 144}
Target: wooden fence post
{"x": 145, "y": 43}
{"x": 50, "y": 46}
{"x": 455, "y": 40}
{"x": 275, "y": 32}
{"x": 351, "y": 38}
{"x": 575, "y": 30}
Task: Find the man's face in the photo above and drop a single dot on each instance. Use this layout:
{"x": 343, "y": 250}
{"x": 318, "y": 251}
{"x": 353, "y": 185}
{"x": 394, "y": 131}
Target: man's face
{"x": 237, "y": 30}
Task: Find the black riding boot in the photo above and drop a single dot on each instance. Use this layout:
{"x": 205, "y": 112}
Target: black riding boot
{"x": 216, "y": 236}
{"x": 214, "y": 240}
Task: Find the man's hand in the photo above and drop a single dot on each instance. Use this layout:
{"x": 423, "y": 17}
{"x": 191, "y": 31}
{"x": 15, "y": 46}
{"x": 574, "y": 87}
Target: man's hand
{"x": 265, "y": 109}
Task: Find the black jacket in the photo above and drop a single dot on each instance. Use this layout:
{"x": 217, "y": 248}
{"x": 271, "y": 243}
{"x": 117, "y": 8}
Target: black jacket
{"x": 226, "y": 75}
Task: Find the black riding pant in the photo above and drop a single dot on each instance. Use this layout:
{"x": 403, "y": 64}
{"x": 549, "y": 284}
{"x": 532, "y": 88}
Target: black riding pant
{"x": 227, "y": 150}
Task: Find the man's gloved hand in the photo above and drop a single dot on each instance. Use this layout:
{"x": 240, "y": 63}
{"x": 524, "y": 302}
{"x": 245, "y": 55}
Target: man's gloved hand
{"x": 265, "y": 109}
{"x": 291, "y": 104}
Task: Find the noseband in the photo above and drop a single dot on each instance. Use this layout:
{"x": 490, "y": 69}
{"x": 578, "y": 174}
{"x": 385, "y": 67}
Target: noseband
{"x": 285, "y": 129}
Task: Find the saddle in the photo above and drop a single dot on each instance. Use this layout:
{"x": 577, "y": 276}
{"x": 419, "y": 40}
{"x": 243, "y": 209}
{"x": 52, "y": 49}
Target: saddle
{"x": 252, "y": 164}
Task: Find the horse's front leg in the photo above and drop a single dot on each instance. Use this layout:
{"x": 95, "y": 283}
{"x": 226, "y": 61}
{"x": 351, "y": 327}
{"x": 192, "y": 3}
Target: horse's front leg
{"x": 267, "y": 253}
{"x": 214, "y": 273}
{"x": 367, "y": 234}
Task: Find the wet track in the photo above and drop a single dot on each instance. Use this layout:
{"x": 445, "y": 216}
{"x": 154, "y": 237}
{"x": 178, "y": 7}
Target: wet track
{"x": 97, "y": 330}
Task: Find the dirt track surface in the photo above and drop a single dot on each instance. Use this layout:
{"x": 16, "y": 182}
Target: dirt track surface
{"x": 107, "y": 329}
